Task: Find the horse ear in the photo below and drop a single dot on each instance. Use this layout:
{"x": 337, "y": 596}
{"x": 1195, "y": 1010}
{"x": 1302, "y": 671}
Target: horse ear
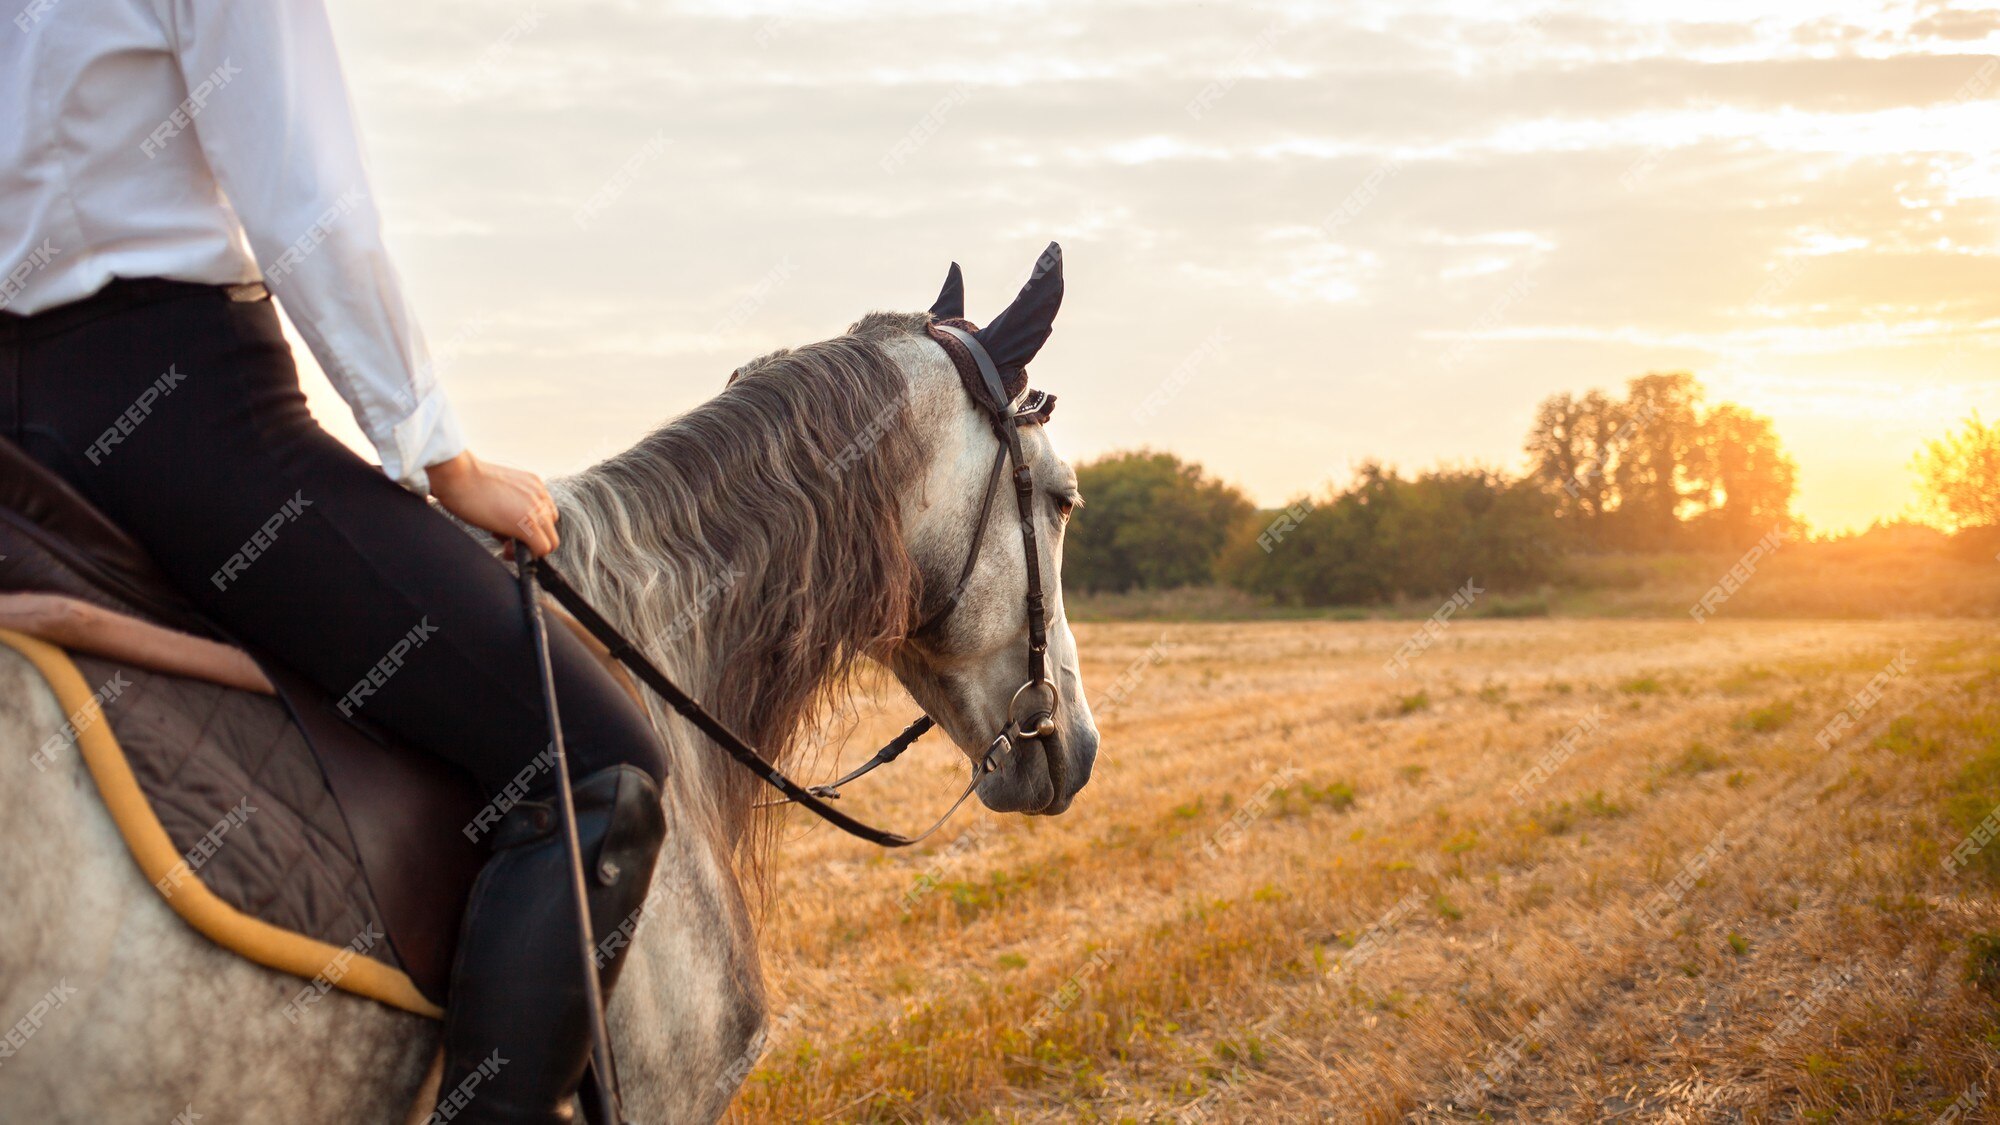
{"x": 950, "y": 304}
{"x": 1013, "y": 337}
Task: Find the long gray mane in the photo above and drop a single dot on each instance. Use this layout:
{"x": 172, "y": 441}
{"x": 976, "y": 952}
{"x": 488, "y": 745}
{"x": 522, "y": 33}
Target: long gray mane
{"x": 753, "y": 547}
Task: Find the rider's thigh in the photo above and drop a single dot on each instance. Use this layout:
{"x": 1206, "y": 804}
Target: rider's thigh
{"x": 183, "y": 420}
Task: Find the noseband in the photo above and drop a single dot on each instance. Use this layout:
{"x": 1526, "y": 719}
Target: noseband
{"x": 1030, "y": 712}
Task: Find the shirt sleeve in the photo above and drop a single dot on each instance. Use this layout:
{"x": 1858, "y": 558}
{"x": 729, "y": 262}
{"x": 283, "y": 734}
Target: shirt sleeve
{"x": 270, "y": 106}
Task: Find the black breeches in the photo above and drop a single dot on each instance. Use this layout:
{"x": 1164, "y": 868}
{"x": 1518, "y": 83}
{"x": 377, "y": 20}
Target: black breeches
{"x": 177, "y": 411}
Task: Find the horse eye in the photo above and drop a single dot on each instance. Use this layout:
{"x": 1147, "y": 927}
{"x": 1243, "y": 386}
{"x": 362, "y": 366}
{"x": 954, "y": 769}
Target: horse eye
{"x": 1066, "y": 504}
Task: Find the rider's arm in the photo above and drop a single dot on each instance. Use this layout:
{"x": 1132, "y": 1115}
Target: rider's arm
{"x": 278, "y": 130}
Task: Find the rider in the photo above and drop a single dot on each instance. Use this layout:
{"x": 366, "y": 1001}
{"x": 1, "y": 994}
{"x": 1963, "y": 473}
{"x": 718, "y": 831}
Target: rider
{"x": 166, "y": 169}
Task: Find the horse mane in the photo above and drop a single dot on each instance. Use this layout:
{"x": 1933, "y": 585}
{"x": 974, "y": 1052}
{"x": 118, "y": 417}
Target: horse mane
{"x": 753, "y": 548}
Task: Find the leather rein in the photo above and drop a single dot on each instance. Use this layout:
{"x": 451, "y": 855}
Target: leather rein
{"x": 1031, "y": 710}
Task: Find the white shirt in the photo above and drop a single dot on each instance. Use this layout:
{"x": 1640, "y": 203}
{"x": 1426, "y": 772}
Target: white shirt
{"x": 210, "y": 141}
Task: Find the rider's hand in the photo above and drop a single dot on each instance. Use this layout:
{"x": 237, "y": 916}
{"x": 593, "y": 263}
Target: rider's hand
{"x": 508, "y": 502}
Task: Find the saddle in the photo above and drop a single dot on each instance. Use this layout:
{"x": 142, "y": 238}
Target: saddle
{"x": 299, "y": 839}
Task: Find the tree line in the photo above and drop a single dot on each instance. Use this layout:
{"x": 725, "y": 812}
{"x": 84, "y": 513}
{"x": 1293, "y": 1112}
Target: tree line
{"x": 1656, "y": 469}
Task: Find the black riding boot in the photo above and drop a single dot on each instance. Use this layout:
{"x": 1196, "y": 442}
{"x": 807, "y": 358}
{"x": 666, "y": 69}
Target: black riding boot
{"x": 517, "y": 1035}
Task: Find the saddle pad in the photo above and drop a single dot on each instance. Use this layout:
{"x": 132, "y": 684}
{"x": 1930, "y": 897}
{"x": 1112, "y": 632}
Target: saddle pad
{"x": 224, "y": 806}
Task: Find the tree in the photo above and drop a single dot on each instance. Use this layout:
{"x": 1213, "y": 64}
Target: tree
{"x": 1657, "y": 470}
{"x": 1572, "y": 448}
{"x": 1149, "y": 520}
{"x": 1660, "y": 458}
{"x": 1960, "y": 476}
{"x": 1749, "y": 480}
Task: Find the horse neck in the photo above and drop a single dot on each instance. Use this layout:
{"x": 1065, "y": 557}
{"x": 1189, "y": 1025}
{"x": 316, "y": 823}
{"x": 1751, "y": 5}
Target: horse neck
{"x": 752, "y": 572}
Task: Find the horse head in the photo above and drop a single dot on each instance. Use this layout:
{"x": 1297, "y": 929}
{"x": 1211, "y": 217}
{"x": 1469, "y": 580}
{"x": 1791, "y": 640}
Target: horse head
{"x": 984, "y": 540}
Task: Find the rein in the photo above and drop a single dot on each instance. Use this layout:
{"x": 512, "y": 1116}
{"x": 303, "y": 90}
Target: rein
{"x": 1039, "y": 693}
{"x": 691, "y": 709}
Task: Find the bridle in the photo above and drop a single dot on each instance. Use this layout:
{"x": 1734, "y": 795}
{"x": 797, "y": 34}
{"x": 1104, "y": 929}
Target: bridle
{"x": 1031, "y": 710}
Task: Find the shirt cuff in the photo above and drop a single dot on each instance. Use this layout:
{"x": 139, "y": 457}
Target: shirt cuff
{"x": 426, "y": 436}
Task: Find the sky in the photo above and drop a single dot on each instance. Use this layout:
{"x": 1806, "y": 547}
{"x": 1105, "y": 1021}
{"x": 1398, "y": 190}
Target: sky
{"x": 1297, "y": 236}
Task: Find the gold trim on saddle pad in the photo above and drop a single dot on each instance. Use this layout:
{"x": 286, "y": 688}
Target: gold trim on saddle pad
{"x": 249, "y": 937}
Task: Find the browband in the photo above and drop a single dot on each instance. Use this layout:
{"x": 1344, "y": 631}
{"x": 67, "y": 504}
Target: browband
{"x": 982, "y": 378}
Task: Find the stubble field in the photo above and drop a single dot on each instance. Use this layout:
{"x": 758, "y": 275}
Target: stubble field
{"x": 1554, "y": 871}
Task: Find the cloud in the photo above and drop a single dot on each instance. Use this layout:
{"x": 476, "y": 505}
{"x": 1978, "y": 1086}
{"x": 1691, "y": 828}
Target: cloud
{"x": 1366, "y": 185}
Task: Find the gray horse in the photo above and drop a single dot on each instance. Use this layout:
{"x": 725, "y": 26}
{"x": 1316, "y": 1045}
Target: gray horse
{"x": 758, "y": 549}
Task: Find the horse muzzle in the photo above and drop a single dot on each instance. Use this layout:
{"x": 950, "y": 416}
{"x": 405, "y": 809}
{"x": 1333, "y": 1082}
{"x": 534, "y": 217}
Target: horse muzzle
{"x": 1041, "y": 775}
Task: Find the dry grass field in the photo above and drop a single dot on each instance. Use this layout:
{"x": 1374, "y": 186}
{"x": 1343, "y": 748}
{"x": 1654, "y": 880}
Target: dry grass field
{"x": 1559, "y": 870}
